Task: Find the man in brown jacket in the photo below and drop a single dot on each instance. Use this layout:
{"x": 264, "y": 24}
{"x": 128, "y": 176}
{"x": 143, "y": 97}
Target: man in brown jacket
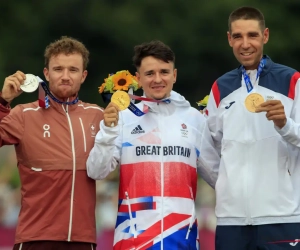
{"x": 52, "y": 145}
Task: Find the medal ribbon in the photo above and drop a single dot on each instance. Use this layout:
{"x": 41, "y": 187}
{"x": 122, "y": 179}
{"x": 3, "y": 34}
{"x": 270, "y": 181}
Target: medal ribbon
{"x": 247, "y": 80}
{"x": 44, "y": 99}
{"x": 134, "y": 109}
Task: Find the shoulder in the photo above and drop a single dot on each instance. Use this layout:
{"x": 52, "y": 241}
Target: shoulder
{"x": 233, "y": 74}
{"x": 285, "y": 72}
{"x": 32, "y": 106}
{"x": 90, "y": 106}
{"x": 280, "y": 68}
{"x": 226, "y": 84}
{"x": 192, "y": 116}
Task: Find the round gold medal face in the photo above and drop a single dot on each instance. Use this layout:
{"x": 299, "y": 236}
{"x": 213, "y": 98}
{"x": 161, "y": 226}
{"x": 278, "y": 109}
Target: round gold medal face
{"x": 252, "y": 101}
{"x": 121, "y": 98}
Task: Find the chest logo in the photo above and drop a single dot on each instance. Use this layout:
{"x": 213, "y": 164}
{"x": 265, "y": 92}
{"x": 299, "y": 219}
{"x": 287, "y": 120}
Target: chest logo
{"x": 92, "y": 129}
{"x": 46, "y": 128}
{"x": 184, "y": 131}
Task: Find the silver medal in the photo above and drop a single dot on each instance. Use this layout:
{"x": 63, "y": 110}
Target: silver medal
{"x": 30, "y": 84}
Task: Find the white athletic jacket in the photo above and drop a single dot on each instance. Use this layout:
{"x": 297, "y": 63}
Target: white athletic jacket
{"x": 159, "y": 154}
{"x": 259, "y": 173}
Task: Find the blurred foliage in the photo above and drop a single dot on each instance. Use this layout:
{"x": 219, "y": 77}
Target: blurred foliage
{"x": 195, "y": 30}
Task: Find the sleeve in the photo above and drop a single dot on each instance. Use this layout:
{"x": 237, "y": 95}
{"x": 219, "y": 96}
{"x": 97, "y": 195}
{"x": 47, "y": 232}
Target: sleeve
{"x": 208, "y": 158}
{"x": 4, "y": 111}
{"x": 291, "y": 131}
{"x": 214, "y": 120}
{"x": 106, "y": 153}
{"x": 11, "y": 125}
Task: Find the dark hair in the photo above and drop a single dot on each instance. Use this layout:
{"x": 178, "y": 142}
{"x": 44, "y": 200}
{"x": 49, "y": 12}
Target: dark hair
{"x": 155, "y": 48}
{"x": 66, "y": 45}
{"x": 247, "y": 13}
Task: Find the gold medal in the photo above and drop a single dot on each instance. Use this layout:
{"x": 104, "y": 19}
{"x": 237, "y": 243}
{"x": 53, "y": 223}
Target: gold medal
{"x": 252, "y": 101}
{"x": 121, "y": 99}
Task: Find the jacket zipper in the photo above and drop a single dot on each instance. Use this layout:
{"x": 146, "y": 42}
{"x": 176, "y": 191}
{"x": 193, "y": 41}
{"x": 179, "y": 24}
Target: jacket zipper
{"x": 192, "y": 217}
{"x": 162, "y": 184}
{"x": 132, "y": 229}
{"x": 74, "y": 172}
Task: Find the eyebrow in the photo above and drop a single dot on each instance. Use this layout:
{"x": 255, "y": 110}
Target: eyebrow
{"x": 71, "y": 67}
{"x": 151, "y": 71}
{"x": 235, "y": 34}
{"x": 251, "y": 33}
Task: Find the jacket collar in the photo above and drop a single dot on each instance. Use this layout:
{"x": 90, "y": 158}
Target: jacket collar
{"x": 63, "y": 108}
{"x": 268, "y": 65}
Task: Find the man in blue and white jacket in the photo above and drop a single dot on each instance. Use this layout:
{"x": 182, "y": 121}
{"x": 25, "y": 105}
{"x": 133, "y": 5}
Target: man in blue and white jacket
{"x": 159, "y": 154}
{"x": 258, "y": 186}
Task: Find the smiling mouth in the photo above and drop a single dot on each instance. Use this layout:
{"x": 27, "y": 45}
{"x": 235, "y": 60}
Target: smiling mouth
{"x": 158, "y": 87}
{"x": 247, "y": 53}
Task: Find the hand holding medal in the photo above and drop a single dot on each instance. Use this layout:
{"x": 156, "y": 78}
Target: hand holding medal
{"x": 15, "y": 84}
{"x": 120, "y": 99}
{"x": 274, "y": 112}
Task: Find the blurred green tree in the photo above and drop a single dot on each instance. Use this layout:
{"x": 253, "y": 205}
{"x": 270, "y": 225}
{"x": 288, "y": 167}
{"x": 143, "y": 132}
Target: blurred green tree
{"x": 196, "y": 31}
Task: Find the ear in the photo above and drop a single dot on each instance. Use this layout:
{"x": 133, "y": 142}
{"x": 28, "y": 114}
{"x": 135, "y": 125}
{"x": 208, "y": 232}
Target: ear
{"x": 266, "y": 34}
{"x": 175, "y": 74}
{"x": 229, "y": 38}
{"x": 138, "y": 76}
{"x": 46, "y": 74}
{"x": 84, "y": 75}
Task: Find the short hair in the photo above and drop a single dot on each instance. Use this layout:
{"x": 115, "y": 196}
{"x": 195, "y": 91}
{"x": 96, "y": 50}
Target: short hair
{"x": 155, "y": 48}
{"x": 66, "y": 45}
{"x": 247, "y": 13}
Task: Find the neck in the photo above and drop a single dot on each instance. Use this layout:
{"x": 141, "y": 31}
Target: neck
{"x": 157, "y": 99}
{"x": 254, "y": 66}
{"x": 65, "y": 99}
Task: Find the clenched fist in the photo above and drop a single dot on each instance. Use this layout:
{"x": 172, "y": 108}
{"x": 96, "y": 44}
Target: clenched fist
{"x": 11, "y": 88}
{"x": 111, "y": 115}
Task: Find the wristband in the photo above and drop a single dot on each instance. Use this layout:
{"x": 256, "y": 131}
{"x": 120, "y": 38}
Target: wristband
{"x": 3, "y": 102}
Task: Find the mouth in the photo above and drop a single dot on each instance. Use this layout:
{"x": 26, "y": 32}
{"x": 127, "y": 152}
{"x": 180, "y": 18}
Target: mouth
{"x": 158, "y": 87}
{"x": 246, "y": 53}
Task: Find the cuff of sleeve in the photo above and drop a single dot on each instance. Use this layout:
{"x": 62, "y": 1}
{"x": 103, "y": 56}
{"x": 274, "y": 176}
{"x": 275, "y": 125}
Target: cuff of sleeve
{"x": 109, "y": 130}
{"x": 287, "y": 127}
{"x": 3, "y": 102}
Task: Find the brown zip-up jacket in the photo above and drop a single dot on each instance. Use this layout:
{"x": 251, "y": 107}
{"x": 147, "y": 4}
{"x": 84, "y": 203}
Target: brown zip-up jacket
{"x": 52, "y": 146}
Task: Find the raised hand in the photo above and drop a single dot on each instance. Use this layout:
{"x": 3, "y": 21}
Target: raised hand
{"x": 11, "y": 87}
{"x": 111, "y": 115}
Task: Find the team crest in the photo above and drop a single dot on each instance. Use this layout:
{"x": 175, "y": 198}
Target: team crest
{"x": 184, "y": 131}
{"x": 93, "y": 129}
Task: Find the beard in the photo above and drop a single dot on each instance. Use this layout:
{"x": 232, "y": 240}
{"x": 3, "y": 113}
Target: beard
{"x": 63, "y": 93}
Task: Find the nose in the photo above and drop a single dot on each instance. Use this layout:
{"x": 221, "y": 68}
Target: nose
{"x": 245, "y": 44}
{"x": 66, "y": 75}
{"x": 157, "y": 78}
